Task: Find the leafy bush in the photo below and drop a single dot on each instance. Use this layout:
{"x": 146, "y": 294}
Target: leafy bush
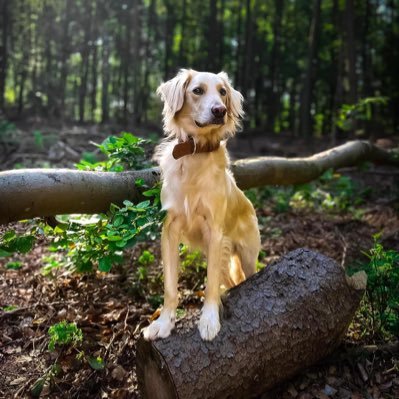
{"x": 382, "y": 294}
{"x": 100, "y": 239}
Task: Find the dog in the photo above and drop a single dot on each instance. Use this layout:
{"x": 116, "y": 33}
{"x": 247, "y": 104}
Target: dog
{"x": 205, "y": 208}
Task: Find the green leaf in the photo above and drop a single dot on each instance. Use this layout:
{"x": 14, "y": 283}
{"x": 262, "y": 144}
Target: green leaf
{"x": 14, "y": 265}
{"x": 4, "y": 253}
{"x": 105, "y": 264}
{"x": 96, "y": 363}
{"x": 24, "y": 244}
{"x": 37, "y": 387}
{"x": 118, "y": 220}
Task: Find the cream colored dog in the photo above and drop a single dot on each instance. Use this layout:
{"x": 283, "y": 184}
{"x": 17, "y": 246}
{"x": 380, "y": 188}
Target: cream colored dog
{"x": 205, "y": 208}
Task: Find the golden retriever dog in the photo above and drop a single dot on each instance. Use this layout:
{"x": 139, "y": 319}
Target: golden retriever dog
{"x": 205, "y": 208}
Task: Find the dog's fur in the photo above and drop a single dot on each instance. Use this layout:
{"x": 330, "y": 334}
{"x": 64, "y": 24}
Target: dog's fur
{"x": 205, "y": 208}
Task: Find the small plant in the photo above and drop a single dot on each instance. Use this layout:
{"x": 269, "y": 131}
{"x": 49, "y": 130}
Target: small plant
{"x": 145, "y": 260}
{"x": 9, "y": 308}
{"x": 332, "y": 192}
{"x": 15, "y": 265}
{"x": 382, "y": 292}
{"x": 46, "y": 379}
{"x": 191, "y": 260}
{"x": 50, "y": 264}
{"x": 39, "y": 139}
{"x": 7, "y": 129}
{"x": 64, "y": 333}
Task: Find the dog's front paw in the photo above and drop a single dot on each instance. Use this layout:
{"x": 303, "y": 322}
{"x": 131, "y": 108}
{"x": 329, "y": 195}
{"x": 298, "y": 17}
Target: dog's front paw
{"x": 209, "y": 324}
{"x": 160, "y": 328}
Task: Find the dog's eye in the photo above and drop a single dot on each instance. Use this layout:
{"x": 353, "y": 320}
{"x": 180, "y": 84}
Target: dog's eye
{"x": 198, "y": 91}
{"x": 222, "y": 91}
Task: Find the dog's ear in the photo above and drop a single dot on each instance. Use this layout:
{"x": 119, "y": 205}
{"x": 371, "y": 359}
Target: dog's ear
{"x": 234, "y": 101}
{"x": 172, "y": 92}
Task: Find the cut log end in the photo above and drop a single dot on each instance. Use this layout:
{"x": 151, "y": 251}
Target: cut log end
{"x": 358, "y": 281}
{"x": 154, "y": 377}
{"x": 281, "y": 320}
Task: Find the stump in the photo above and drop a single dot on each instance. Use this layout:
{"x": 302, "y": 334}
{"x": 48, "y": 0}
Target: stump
{"x": 281, "y": 320}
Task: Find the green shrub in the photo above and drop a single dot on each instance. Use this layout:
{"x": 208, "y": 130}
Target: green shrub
{"x": 100, "y": 239}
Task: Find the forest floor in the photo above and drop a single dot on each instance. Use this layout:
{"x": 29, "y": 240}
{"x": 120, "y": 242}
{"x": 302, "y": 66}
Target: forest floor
{"x": 112, "y": 308}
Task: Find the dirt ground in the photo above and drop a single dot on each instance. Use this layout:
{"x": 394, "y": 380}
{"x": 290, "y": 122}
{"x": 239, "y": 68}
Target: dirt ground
{"x": 112, "y": 308}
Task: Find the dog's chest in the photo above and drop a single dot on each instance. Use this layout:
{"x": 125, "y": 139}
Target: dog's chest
{"x": 191, "y": 185}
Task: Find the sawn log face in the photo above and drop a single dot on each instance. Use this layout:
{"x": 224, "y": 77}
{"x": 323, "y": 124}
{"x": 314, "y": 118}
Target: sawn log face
{"x": 281, "y": 320}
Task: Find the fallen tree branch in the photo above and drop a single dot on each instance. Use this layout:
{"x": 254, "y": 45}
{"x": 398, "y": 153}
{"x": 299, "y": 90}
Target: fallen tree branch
{"x": 275, "y": 324}
{"x": 27, "y": 193}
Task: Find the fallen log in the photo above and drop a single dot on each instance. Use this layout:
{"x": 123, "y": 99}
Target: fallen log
{"x": 280, "y": 321}
{"x": 27, "y": 193}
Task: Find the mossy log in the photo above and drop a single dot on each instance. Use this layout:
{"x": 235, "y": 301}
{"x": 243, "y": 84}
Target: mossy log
{"x": 280, "y": 321}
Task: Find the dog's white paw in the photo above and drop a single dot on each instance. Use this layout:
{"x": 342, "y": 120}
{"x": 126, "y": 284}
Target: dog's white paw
{"x": 209, "y": 324}
{"x": 160, "y": 328}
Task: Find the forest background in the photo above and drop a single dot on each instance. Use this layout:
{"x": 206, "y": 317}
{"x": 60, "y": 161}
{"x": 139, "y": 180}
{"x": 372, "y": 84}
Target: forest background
{"x": 297, "y": 63}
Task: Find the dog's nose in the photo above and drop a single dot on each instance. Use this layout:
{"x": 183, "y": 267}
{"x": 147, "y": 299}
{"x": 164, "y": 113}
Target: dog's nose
{"x": 219, "y": 111}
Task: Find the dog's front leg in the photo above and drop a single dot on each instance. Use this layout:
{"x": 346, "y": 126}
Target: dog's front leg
{"x": 162, "y": 327}
{"x": 209, "y": 323}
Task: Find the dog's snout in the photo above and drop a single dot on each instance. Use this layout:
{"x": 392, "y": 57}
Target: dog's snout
{"x": 219, "y": 111}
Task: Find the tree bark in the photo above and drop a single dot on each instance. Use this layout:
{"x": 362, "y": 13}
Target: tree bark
{"x": 27, "y": 193}
{"x": 280, "y": 321}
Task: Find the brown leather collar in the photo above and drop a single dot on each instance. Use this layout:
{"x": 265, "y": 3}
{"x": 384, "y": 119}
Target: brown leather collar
{"x": 189, "y": 147}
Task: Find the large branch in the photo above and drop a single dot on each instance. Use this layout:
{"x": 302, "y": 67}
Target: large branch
{"x": 27, "y": 193}
{"x": 280, "y": 321}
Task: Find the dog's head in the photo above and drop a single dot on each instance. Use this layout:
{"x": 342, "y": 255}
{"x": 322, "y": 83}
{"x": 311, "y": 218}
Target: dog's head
{"x": 200, "y": 104}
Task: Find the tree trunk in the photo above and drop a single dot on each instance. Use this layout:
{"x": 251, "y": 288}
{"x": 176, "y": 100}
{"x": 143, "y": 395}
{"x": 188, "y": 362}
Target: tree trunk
{"x": 27, "y": 193}
{"x": 105, "y": 79}
{"x": 280, "y": 321}
{"x": 211, "y": 37}
{"x": 3, "y": 50}
{"x": 85, "y": 54}
{"x": 349, "y": 16}
{"x": 306, "y": 99}
{"x": 64, "y": 54}
{"x": 274, "y": 96}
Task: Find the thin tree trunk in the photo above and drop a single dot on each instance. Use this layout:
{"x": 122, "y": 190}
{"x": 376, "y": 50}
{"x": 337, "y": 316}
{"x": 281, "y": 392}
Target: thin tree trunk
{"x": 182, "y": 47}
{"x": 212, "y": 37}
{"x": 85, "y": 53}
{"x": 64, "y": 53}
{"x": 126, "y": 62}
{"x": 306, "y": 98}
{"x": 275, "y": 324}
{"x": 351, "y": 50}
{"x": 5, "y": 18}
{"x": 27, "y": 193}
{"x": 238, "y": 54}
{"x": 105, "y": 79}
{"x": 274, "y": 96}
{"x": 94, "y": 79}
